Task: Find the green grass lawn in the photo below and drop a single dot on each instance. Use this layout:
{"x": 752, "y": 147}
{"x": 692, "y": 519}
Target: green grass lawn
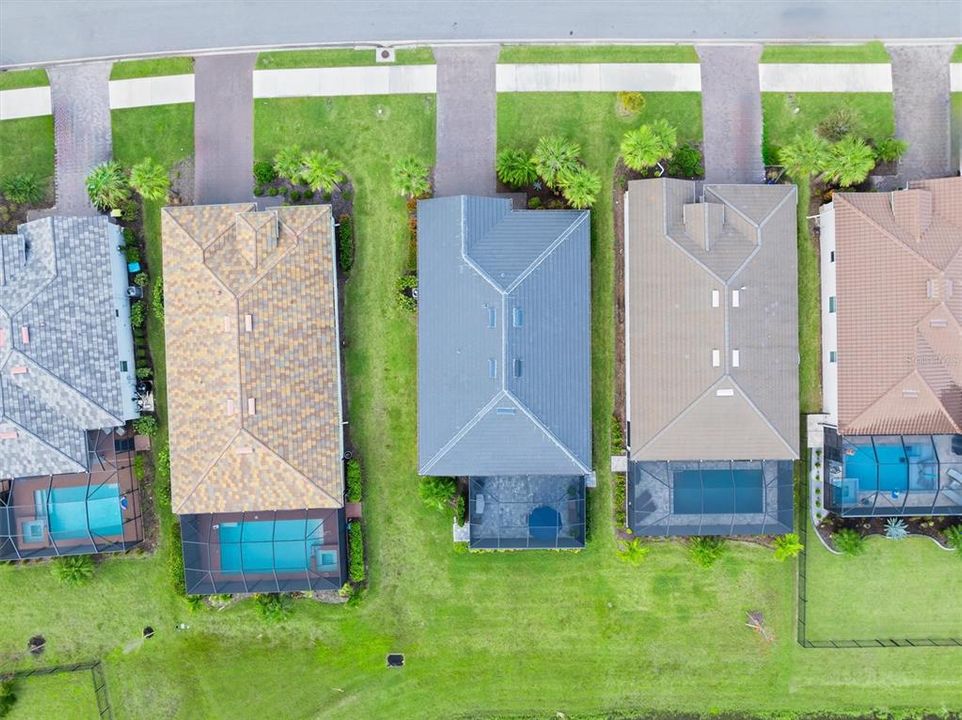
{"x": 127, "y": 69}
{"x": 871, "y": 52}
{"x": 487, "y": 634}
{"x": 809, "y": 312}
{"x": 16, "y": 79}
{"x": 956, "y": 126}
{"x": 897, "y": 589}
{"x": 65, "y": 696}
{"x": 136, "y": 135}
{"x": 957, "y": 55}
{"x": 786, "y": 115}
{"x": 26, "y": 146}
{"x": 279, "y": 59}
{"x": 598, "y": 54}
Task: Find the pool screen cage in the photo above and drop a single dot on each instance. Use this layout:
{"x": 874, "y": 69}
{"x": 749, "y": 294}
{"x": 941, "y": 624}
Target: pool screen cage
{"x": 701, "y": 497}
{"x": 98, "y": 511}
{"x": 893, "y": 475}
{"x": 264, "y": 551}
{"x": 527, "y": 512}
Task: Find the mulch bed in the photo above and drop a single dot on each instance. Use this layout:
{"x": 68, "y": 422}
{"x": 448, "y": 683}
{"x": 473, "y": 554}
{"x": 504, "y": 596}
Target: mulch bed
{"x": 933, "y": 527}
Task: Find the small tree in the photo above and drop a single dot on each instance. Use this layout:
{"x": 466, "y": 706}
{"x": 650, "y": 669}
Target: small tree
{"x": 553, "y": 156}
{"x": 149, "y": 178}
{"x": 580, "y": 186}
{"x": 849, "y": 542}
{"x": 633, "y": 551}
{"x": 805, "y": 156}
{"x": 515, "y": 168}
{"x": 849, "y": 161}
{"x": 437, "y": 492}
{"x": 409, "y": 177}
{"x": 320, "y": 171}
{"x": 645, "y": 146}
{"x": 107, "y": 186}
{"x": 288, "y": 162}
{"x": 23, "y": 189}
{"x": 787, "y": 546}
{"x": 73, "y": 570}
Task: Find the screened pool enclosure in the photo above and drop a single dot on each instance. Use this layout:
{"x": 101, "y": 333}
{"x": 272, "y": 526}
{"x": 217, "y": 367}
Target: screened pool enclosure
{"x": 77, "y": 514}
{"x": 868, "y": 475}
{"x": 271, "y": 551}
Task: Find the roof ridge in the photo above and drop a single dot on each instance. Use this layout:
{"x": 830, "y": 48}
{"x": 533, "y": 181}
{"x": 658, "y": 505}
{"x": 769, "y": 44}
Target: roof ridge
{"x": 732, "y": 206}
{"x": 762, "y": 415}
{"x": 211, "y": 466}
{"x": 49, "y": 281}
{"x": 37, "y": 438}
{"x": 459, "y": 435}
{"x": 670, "y": 239}
{"x": 531, "y": 416}
{"x": 914, "y": 371}
{"x": 547, "y": 252}
{"x": 680, "y": 415}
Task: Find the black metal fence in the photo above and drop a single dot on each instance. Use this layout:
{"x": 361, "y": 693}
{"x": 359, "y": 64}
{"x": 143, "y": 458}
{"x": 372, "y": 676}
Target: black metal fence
{"x": 96, "y": 670}
{"x": 802, "y": 636}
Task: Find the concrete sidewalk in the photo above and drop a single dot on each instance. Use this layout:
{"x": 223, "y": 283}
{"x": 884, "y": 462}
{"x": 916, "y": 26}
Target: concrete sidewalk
{"x": 340, "y": 81}
{"x": 223, "y": 129}
{"x": 825, "y": 77}
{"x": 143, "y": 92}
{"x": 599, "y": 77}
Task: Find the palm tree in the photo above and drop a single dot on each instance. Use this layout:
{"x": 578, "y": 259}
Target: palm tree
{"x": 515, "y": 168}
{"x": 805, "y": 156}
{"x": 787, "y": 546}
{"x": 667, "y": 135}
{"x": 580, "y": 186}
{"x": 409, "y": 178}
{"x": 553, "y": 156}
{"x": 107, "y": 185}
{"x": 149, "y": 178}
{"x": 849, "y": 162}
{"x": 646, "y": 146}
{"x": 633, "y": 551}
{"x": 320, "y": 171}
{"x": 288, "y": 162}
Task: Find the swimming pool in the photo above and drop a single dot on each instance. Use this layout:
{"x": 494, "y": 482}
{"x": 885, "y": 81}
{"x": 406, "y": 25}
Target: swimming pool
{"x": 281, "y": 545}
{"x": 71, "y": 511}
{"x": 717, "y": 491}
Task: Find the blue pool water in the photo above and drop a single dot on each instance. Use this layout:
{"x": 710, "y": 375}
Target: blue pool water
{"x": 264, "y": 546}
{"x": 890, "y": 471}
{"x": 544, "y": 523}
{"x": 717, "y": 491}
{"x": 69, "y": 511}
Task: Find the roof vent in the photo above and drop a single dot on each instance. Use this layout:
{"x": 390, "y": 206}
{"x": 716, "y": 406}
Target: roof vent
{"x": 736, "y": 298}
{"x": 492, "y": 368}
{"x": 517, "y": 367}
{"x": 930, "y": 289}
{"x": 505, "y": 410}
{"x": 18, "y": 370}
{"x": 251, "y": 407}
{"x": 724, "y": 392}
{"x": 9, "y": 434}
{"x": 910, "y": 394}
{"x": 949, "y": 287}
{"x": 25, "y": 334}
{"x": 244, "y": 450}
{"x": 3, "y": 337}
{"x": 938, "y": 323}
{"x": 517, "y": 317}
{"x": 227, "y": 325}
{"x": 715, "y": 298}
{"x": 715, "y": 358}
{"x": 275, "y": 231}
{"x": 492, "y": 316}
{"x": 249, "y": 323}
{"x": 735, "y": 358}
{"x": 230, "y": 407}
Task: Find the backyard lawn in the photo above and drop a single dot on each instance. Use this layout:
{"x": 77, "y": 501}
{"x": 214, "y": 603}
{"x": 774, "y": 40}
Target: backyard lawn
{"x": 64, "y": 696}
{"x": 598, "y": 54}
{"x": 485, "y": 634}
{"x": 872, "y": 52}
{"x": 128, "y": 69}
{"x": 338, "y": 58}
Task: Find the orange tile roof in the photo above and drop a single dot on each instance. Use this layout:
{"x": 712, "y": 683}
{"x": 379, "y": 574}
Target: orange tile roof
{"x": 252, "y": 359}
{"x": 898, "y": 263}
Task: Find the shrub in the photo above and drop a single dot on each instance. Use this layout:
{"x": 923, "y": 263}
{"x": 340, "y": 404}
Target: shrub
{"x": 23, "y": 189}
{"x": 890, "y": 149}
{"x": 896, "y": 529}
{"x": 107, "y": 185}
{"x": 705, "y": 550}
{"x": 355, "y": 549}
{"x": 849, "y": 161}
{"x": 146, "y": 425}
{"x": 437, "y": 492}
{"x": 157, "y": 300}
{"x": 515, "y": 168}
{"x": 295, "y": 196}
{"x": 137, "y": 314}
{"x": 73, "y": 570}
{"x": 283, "y": 189}
{"x": 272, "y": 191}
{"x": 354, "y": 488}
{"x": 150, "y": 179}
{"x": 274, "y": 607}
{"x": 138, "y": 467}
{"x": 409, "y": 177}
{"x": 8, "y": 696}
{"x": 620, "y": 497}
{"x": 839, "y": 123}
{"x": 534, "y": 203}
{"x": 308, "y": 194}
{"x": 849, "y": 542}
{"x": 141, "y": 279}
{"x": 617, "y": 437}
{"x": 264, "y": 172}
{"x": 953, "y": 538}
{"x": 144, "y": 373}
{"x": 175, "y": 559}
{"x": 345, "y": 243}
{"x": 553, "y": 156}
{"x": 288, "y": 162}
{"x": 645, "y": 146}
{"x": 320, "y": 171}
{"x": 258, "y": 191}
{"x": 460, "y": 511}
{"x": 787, "y": 546}
{"x": 633, "y": 551}
{"x": 580, "y": 187}
{"x": 630, "y": 103}
{"x": 686, "y": 162}
{"x": 406, "y": 287}
{"x": 806, "y": 155}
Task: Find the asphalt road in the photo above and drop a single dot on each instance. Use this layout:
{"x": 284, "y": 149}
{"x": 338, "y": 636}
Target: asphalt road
{"x": 50, "y": 31}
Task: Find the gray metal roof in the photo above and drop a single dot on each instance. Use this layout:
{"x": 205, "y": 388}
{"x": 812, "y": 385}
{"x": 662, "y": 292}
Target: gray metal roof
{"x": 711, "y": 377}
{"x": 64, "y": 330}
{"x": 504, "y": 338}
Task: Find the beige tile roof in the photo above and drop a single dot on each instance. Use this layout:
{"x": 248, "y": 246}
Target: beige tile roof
{"x": 680, "y": 251}
{"x": 898, "y": 260}
{"x": 252, "y": 359}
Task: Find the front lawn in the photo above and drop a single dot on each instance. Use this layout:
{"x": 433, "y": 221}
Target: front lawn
{"x": 64, "y": 696}
{"x": 26, "y": 146}
{"x": 280, "y": 59}
{"x": 163, "y": 132}
{"x": 128, "y": 69}
{"x": 897, "y": 589}
{"x": 871, "y": 52}
{"x": 17, "y": 79}
{"x": 598, "y": 54}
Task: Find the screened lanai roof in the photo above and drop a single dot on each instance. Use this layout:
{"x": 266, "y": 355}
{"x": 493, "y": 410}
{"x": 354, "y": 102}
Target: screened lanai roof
{"x": 710, "y": 497}
{"x": 868, "y": 475}
{"x": 527, "y": 512}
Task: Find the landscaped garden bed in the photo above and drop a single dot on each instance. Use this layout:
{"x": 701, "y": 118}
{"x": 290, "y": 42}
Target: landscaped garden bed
{"x": 932, "y": 527}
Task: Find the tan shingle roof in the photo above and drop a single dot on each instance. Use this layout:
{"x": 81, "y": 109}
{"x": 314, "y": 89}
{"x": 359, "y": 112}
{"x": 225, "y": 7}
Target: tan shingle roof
{"x": 252, "y": 359}
{"x": 680, "y": 252}
{"x": 899, "y": 305}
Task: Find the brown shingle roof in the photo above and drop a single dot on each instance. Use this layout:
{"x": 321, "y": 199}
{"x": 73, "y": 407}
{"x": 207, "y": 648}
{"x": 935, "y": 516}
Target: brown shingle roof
{"x": 252, "y": 359}
{"x": 899, "y": 306}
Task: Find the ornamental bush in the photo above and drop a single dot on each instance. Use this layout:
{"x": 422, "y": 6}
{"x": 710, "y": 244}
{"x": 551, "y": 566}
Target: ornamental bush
{"x": 409, "y": 178}
{"x": 849, "y": 542}
{"x": 264, "y": 172}
{"x": 953, "y": 537}
{"x": 345, "y": 242}
{"x": 274, "y": 607}
{"x": 515, "y": 168}
{"x": 23, "y": 189}
{"x": 787, "y": 546}
{"x": 354, "y": 490}
{"x": 437, "y": 492}
{"x": 137, "y": 314}
{"x": 150, "y": 179}
{"x": 890, "y": 149}
{"x": 686, "y": 161}
{"x": 630, "y": 103}
{"x": 633, "y": 551}
{"x": 580, "y": 187}
{"x": 73, "y": 570}
{"x": 553, "y": 156}
{"x": 706, "y": 550}
{"x": 146, "y": 425}
{"x": 355, "y": 548}
{"x": 107, "y": 185}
